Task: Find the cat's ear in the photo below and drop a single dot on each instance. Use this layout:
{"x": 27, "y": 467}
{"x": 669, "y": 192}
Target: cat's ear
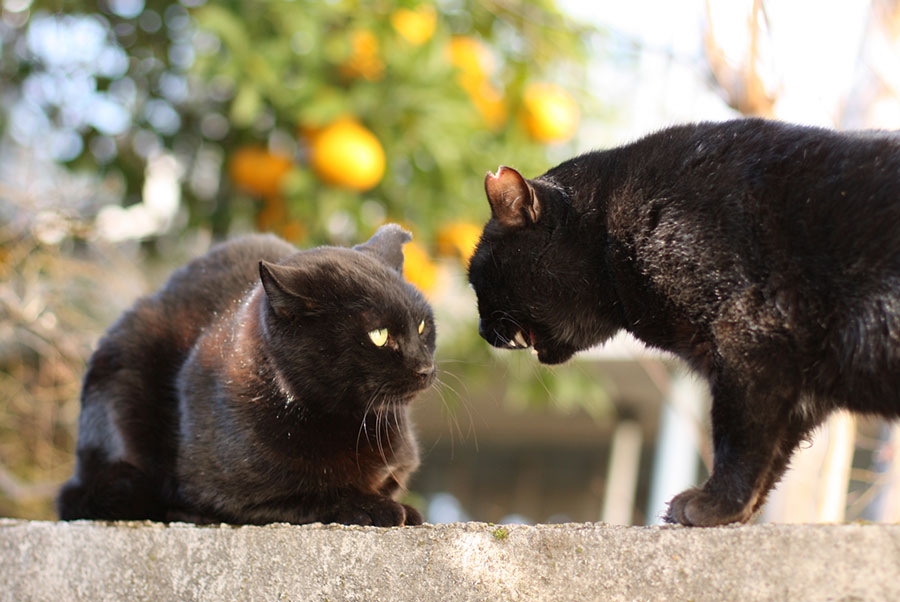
{"x": 273, "y": 279}
{"x": 386, "y": 245}
{"x": 513, "y": 201}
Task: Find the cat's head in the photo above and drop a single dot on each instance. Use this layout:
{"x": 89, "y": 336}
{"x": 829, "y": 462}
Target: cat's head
{"x": 535, "y": 282}
{"x": 346, "y": 331}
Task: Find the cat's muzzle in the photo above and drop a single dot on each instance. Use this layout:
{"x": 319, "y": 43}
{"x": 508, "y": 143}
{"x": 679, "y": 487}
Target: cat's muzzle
{"x": 425, "y": 374}
{"x": 518, "y": 340}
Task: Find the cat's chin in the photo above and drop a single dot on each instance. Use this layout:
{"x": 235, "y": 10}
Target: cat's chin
{"x": 397, "y": 400}
{"x": 390, "y": 406}
{"x": 552, "y": 353}
{"x": 554, "y": 356}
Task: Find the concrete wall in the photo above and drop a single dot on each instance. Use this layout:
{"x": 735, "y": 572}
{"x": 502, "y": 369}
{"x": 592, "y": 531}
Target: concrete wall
{"x": 472, "y": 561}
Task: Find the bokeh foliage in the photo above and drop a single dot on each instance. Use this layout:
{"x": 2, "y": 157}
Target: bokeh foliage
{"x": 202, "y": 80}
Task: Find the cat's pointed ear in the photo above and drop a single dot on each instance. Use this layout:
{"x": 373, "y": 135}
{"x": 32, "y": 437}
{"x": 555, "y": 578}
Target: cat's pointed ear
{"x": 513, "y": 201}
{"x": 273, "y": 279}
{"x": 386, "y": 245}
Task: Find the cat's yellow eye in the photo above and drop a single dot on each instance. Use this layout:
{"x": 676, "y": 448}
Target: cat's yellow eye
{"x": 379, "y": 336}
{"x": 421, "y": 326}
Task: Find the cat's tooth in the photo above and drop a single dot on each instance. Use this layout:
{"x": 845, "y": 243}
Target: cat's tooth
{"x": 520, "y": 339}
{"x": 534, "y": 352}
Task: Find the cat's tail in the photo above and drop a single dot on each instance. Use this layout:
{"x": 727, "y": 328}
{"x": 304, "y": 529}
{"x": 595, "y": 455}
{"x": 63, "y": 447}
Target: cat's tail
{"x": 110, "y": 491}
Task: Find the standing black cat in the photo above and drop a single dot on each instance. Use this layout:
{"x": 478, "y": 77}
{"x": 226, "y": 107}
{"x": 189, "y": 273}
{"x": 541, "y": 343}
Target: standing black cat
{"x": 260, "y": 384}
{"x": 766, "y": 255}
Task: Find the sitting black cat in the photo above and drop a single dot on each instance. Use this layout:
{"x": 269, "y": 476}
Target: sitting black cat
{"x": 766, "y": 255}
{"x": 260, "y": 384}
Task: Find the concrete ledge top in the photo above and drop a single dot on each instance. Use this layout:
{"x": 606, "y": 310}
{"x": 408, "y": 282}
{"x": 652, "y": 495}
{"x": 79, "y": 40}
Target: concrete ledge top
{"x": 470, "y": 561}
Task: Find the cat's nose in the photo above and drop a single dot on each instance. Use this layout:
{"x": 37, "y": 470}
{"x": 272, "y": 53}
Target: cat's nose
{"x": 425, "y": 372}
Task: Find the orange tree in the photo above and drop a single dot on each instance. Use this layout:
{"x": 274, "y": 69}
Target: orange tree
{"x": 389, "y": 111}
{"x": 313, "y": 119}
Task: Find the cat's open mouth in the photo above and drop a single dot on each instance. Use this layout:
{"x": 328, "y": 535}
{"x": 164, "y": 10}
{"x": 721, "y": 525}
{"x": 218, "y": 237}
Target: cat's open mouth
{"x": 547, "y": 351}
{"x": 523, "y": 341}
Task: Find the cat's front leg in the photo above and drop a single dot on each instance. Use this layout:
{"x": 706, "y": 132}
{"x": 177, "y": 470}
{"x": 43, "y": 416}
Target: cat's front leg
{"x": 752, "y": 440}
{"x": 372, "y": 509}
{"x": 391, "y": 486}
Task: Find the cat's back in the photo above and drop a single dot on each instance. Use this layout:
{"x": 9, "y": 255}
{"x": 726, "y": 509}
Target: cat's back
{"x": 212, "y": 282}
{"x": 130, "y": 384}
{"x": 754, "y": 137}
{"x": 196, "y": 293}
{"x": 765, "y": 155}
{"x": 823, "y": 202}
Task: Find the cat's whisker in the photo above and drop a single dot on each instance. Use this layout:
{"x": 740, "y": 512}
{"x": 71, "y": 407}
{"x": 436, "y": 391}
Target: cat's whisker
{"x": 386, "y": 425}
{"x": 519, "y": 340}
{"x": 456, "y": 361}
{"x": 379, "y": 419}
{"x": 378, "y": 429}
{"x": 505, "y": 315}
{"x": 462, "y": 402}
{"x": 363, "y": 427}
{"x": 400, "y": 421}
{"x": 465, "y": 406}
{"x": 458, "y": 379}
{"x": 436, "y": 387}
{"x": 391, "y": 408}
{"x": 503, "y": 339}
{"x": 537, "y": 371}
{"x": 377, "y": 414}
{"x": 449, "y": 413}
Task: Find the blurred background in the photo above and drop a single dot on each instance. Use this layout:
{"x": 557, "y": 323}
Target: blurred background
{"x": 135, "y": 133}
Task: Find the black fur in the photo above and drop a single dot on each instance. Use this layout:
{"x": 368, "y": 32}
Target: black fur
{"x": 247, "y": 390}
{"x": 766, "y": 255}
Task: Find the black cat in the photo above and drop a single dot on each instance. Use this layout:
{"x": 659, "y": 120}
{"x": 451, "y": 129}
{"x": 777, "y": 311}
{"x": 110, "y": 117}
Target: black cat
{"x": 766, "y": 255}
{"x": 260, "y": 384}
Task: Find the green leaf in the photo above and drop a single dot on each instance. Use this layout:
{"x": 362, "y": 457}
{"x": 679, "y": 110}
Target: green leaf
{"x": 327, "y": 105}
{"x": 226, "y": 25}
{"x": 246, "y": 107}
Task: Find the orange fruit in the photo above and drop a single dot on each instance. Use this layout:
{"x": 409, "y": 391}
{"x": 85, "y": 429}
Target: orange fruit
{"x": 475, "y": 63}
{"x": 347, "y": 154}
{"x": 272, "y": 215}
{"x": 293, "y": 231}
{"x": 549, "y": 113}
{"x": 489, "y": 102}
{"x": 257, "y": 171}
{"x": 471, "y": 57}
{"x": 364, "y": 60}
{"x": 418, "y": 269}
{"x": 415, "y": 26}
{"x": 458, "y": 238}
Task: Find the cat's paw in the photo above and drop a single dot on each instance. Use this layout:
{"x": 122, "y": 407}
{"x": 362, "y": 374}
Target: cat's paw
{"x": 698, "y": 508}
{"x": 413, "y": 516}
{"x": 187, "y": 516}
{"x": 375, "y": 512}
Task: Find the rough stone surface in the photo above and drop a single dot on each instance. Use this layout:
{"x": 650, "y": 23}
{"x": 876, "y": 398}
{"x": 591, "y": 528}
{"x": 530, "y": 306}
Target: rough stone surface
{"x": 471, "y": 561}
